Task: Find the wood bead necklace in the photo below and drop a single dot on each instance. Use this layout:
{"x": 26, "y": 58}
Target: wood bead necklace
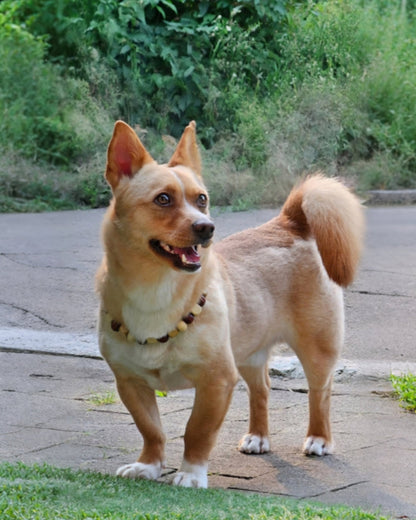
{"x": 182, "y": 326}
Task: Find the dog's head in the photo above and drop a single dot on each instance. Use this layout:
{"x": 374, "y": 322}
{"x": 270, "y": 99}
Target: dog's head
{"x": 160, "y": 210}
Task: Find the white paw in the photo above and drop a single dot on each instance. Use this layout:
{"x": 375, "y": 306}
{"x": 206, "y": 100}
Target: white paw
{"x": 140, "y": 470}
{"x": 191, "y": 475}
{"x": 317, "y": 446}
{"x": 254, "y": 444}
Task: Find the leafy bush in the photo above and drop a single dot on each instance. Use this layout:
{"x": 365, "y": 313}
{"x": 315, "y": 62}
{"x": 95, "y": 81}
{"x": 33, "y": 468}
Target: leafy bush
{"x": 178, "y": 61}
{"x": 43, "y": 114}
{"x": 278, "y": 88}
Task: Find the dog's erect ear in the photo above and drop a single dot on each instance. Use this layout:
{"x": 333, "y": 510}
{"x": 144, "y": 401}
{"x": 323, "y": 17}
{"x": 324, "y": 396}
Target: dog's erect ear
{"x": 187, "y": 151}
{"x": 126, "y": 155}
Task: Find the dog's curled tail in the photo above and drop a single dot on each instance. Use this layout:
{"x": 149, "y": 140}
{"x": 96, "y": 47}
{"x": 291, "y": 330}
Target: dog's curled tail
{"x": 325, "y": 208}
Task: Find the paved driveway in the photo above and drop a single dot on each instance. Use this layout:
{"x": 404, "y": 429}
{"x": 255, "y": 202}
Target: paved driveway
{"x": 48, "y": 261}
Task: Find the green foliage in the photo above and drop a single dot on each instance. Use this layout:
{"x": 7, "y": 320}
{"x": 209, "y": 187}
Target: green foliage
{"x": 366, "y": 53}
{"x": 323, "y": 40}
{"x": 43, "y": 114}
{"x": 47, "y": 493}
{"x": 29, "y": 96}
{"x": 29, "y": 187}
{"x": 405, "y": 388}
{"x": 277, "y": 87}
{"x": 177, "y": 62}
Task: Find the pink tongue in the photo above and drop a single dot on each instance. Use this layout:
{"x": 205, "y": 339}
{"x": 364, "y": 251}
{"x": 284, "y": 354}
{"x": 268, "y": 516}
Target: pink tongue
{"x": 190, "y": 254}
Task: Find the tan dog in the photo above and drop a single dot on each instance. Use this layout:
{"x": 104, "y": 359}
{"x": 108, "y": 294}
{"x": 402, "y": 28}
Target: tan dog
{"x": 177, "y": 312}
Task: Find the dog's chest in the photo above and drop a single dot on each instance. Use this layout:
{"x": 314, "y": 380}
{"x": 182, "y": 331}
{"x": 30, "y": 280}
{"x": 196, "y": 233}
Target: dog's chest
{"x": 159, "y": 364}
{"x": 151, "y": 312}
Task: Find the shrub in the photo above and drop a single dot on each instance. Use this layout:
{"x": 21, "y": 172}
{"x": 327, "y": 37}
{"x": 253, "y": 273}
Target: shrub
{"x": 43, "y": 114}
{"x": 278, "y": 88}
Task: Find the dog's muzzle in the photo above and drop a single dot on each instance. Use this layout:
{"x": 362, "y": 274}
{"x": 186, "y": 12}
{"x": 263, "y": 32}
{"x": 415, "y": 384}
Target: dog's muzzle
{"x": 203, "y": 230}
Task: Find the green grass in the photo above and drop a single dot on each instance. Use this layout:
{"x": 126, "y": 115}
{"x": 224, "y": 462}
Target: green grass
{"x": 45, "y": 492}
{"x": 405, "y": 389}
{"x": 103, "y": 398}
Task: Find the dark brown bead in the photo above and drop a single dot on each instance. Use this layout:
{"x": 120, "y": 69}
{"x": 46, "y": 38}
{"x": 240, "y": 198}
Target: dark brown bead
{"x": 115, "y": 325}
{"x": 189, "y": 318}
{"x": 202, "y": 301}
{"x": 163, "y": 339}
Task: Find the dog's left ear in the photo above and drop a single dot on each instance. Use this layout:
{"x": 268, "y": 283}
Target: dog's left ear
{"x": 126, "y": 154}
{"x": 187, "y": 151}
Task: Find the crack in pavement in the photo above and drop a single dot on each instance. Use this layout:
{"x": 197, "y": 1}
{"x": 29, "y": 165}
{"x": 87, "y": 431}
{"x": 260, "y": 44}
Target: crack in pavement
{"x": 336, "y": 489}
{"x": 9, "y": 256}
{"x": 229, "y": 475}
{"x": 31, "y": 313}
{"x": 384, "y": 271}
{"x": 377, "y": 293}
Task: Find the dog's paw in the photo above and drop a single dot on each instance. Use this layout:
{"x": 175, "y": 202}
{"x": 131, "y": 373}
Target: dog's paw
{"x": 191, "y": 475}
{"x": 317, "y": 446}
{"x": 140, "y": 470}
{"x": 254, "y": 444}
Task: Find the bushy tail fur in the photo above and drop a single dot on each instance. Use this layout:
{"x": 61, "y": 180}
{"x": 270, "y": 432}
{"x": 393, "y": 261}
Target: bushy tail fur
{"x": 325, "y": 208}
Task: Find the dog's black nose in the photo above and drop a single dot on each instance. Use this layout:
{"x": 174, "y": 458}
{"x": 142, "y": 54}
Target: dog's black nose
{"x": 203, "y": 229}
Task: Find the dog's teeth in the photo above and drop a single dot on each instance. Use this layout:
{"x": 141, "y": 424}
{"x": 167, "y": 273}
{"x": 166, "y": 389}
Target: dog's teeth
{"x": 183, "y": 258}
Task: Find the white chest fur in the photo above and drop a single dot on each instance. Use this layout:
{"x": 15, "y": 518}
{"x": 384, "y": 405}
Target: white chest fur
{"x": 152, "y": 311}
{"x": 160, "y": 364}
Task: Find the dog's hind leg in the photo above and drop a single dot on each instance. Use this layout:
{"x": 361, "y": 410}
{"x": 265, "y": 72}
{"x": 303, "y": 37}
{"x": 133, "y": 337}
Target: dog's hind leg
{"x": 140, "y": 401}
{"x": 258, "y": 382}
{"x": 318, "y": 357}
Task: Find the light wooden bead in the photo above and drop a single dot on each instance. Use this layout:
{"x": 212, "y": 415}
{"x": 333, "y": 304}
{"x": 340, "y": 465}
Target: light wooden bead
{"x": 182, "y": 326}
{"x": 196, "y": 310}
{"x": 130, "y": 337}
{"x": 173, "y": 333}
{"x": 124, "y": 330}
{"x": 151, "y": 340}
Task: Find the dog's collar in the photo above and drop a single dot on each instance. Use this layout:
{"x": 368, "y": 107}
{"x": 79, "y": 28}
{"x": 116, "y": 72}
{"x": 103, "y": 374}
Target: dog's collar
{"x": 181, "y": 326}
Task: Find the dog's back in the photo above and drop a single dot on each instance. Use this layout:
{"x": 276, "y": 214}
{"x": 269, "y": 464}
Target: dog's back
{"x": 281, "y": 273}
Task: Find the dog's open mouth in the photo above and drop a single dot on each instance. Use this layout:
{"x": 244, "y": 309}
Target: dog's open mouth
{"x": 186, "y": 258}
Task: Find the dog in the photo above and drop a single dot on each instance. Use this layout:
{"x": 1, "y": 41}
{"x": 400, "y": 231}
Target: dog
{"x": 178, "y": 311}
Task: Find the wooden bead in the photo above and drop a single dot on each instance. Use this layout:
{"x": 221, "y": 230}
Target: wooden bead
{"x": 181, "y": 326}
{"x": 189, "y": 319}
{"x": 196, "y": 310}
{"x": 115, "y": 325}
{"x": 124, "y": 329}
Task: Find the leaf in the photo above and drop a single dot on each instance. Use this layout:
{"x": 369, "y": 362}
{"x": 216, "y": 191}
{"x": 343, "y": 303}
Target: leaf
{"x": 188, "y": 71}
{"x": 125, "y": 49}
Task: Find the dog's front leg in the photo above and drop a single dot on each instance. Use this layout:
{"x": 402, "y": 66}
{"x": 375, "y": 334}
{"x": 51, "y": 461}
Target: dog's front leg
{"x": 140, "y": 401}
{"x": 258, "y": 382}
{"x": 212, "y": 398}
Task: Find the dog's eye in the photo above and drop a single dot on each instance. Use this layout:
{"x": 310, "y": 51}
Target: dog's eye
{"x": 202, "y": 200}
{"x": 163, "y": 199}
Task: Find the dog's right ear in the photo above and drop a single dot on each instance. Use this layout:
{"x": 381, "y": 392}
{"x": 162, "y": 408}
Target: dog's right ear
{"x": 126, "y": 154}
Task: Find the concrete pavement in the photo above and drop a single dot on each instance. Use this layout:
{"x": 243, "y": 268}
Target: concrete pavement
{"x": 47, "y": 304}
